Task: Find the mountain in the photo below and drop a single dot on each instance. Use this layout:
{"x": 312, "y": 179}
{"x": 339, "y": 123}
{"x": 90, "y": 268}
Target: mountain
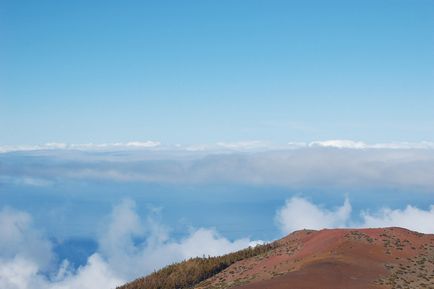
{"x": 329, "y": 258}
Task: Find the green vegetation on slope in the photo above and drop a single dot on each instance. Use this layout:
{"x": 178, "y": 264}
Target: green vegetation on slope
{"x": 191, "y": 272}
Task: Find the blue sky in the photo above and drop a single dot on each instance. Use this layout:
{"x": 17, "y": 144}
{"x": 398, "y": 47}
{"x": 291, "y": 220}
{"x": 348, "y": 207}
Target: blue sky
{"x": 135, "y": 134}
{"x": 208, "y": 71}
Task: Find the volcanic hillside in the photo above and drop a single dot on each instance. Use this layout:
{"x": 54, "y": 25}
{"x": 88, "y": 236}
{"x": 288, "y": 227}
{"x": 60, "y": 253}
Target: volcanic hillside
{"x": 335, "y": 258}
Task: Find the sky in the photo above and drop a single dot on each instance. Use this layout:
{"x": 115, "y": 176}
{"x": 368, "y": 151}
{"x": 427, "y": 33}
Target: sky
{"x": 208, "y": 71}
{"x": 135, "y": 134}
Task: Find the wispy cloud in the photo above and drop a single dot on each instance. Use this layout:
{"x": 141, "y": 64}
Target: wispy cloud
{"x": 21, "y": 241}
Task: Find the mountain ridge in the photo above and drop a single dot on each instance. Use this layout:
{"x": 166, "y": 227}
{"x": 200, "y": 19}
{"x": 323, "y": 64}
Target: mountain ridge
{"x": 330, "y": 258}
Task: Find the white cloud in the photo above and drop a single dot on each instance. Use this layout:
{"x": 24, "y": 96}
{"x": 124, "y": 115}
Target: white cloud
{"x": 97, "y": 273}
{"x": 17, "y": 148}
{"x": 138, "y": 144}
{"x": 24, "y": 252}
{"x": 124, "y": 224}
{"x": 18, "y": 239}
{"x": 298, "y": 213}
{"x": 56, "y": 145}
{"x": 20, "y": 273}
{"x": 248, "y": 145}
{"x": 411, "y": 218}
{"x": 404, "y": 145}
{"x": 84, "y": 146}
{"x": 120, "y": 256}
{"x": 131, "y": 259}
{"x": 349, "y": 144}
{"x": 245, "y": 145}
{"x": 114, "y": 146}
{"x": 208, "y": 242}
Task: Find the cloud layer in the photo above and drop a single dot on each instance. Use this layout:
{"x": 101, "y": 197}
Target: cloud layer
{"x": 325, "y": 167}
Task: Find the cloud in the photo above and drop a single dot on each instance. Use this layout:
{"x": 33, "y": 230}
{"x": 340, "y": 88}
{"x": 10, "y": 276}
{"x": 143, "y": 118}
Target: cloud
{"x": 24, "y": 252}
{"x": 411, "y": 218}
{"x": 124, "y": 224}
{"x": 298, "y": 213}
{"x": 248, "y": 146}
{"x": 130, "y": 258}
{"x": 324, "y": 167}
{"x": 114, "y": 146}
{"x": 20, "y": 273}
{"x": 245, "y": 145}
{"x": 19, "y": 240}
{"x": 350, "y": 144}
{"x": 83, "y": 147}
{"x": 128, "y": 248}
{"x": 199, "y": 242}
{"x": 97, "y": 273}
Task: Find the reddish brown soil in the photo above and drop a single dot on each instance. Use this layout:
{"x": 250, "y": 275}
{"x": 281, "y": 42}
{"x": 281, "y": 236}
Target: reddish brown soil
{"x": 338, "y": 258}
{"x": 326, "y": 275}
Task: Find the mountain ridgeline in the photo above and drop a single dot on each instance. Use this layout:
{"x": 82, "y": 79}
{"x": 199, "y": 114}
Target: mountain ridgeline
{"x": 381, "y": 258}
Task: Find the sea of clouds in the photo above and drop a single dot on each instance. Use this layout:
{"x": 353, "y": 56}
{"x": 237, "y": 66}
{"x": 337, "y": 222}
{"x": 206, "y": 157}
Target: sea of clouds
{"x": 338, "y": 163}
{"x": 129, "y": 246}
{"x": 27, "y": 259}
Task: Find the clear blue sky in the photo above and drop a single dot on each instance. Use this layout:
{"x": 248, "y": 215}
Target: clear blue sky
{"x": 207, "y": 71}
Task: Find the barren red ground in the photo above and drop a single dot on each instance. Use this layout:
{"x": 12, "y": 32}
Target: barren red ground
{"x": 338, "y": 258}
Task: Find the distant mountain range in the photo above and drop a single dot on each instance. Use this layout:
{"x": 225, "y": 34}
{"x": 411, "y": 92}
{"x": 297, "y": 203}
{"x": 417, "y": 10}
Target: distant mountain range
{"x": 328, "y": 259}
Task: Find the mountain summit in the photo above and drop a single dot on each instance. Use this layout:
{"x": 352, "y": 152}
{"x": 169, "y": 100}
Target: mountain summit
{"x": 328, "y": 259}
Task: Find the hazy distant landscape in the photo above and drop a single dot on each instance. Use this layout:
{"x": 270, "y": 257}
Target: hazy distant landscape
{"x": 216, "y": 144}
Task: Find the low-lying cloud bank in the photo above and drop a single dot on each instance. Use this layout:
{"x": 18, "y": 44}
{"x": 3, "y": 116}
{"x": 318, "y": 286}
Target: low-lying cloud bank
{"x": 299, "y": 213}
{"x": 323, "y": 164}
{"x": 27, "y": 260}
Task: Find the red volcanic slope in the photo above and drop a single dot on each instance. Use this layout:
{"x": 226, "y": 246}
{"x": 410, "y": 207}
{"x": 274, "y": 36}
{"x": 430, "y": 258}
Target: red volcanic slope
{"x": 336, "y": 258}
